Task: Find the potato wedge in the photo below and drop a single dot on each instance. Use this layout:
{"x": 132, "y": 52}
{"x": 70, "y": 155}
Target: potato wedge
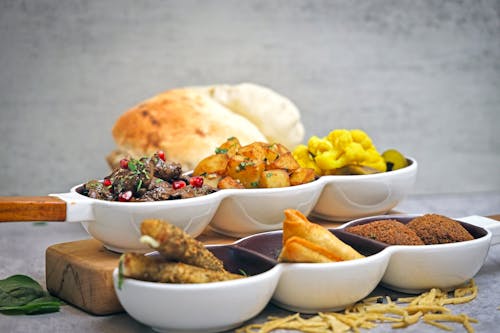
{"x": 274, "y": 178}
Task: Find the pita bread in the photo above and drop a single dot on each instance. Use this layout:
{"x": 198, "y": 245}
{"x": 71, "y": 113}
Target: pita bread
{"x": 273, "y": 114}
{"x": 185, "y": 124}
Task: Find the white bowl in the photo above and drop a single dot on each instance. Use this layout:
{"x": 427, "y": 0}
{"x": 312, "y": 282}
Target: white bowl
{"x": 243, "y": 212}
{"x": 117, "y": 224}
{"x": 416, "y": 268}
{"x": 203, "y": 307}
{"x": 349, "y": 197}
{"x": 311, "y": 288}
{"x": 304, "y": 287}
{"x": 240, "y": 212}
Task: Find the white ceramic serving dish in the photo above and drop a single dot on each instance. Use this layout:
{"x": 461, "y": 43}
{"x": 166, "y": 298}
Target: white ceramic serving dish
{"x": 413, "y": 269}
{"x": 311, "y": 288}
{"x": 346, "y": 198}
{"x": 304, "y": 287}
{"x": 243, "y": 212}
{"x": 238, "y": 212}
{"x": 204, "y": 307}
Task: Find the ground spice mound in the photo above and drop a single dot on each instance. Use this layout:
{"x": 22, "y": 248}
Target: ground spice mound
{"x": 387, "y": 231}
{"x": 438, "y": 229}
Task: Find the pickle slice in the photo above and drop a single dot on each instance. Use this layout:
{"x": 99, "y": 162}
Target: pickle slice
{"x": 394, "y": 159}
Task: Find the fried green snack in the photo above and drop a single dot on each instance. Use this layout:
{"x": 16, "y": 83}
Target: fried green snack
{"x": 154, "y": 269}
{"x": 175, "y": 244}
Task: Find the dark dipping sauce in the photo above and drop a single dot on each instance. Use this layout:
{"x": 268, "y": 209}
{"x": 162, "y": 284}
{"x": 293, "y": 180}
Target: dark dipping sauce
{"x": 146, "y": 179}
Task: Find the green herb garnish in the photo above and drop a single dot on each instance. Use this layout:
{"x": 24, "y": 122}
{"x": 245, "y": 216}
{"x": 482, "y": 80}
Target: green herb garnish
{"x": 243, "y": 165}
{"x": 120, "y": 273}
{"x": 132, "y": 165}
{"x": 139, "y": 185}
{"x": 220, "y": 150}
{"x": 20, "y": 294}
{"x": 254, "y": 184}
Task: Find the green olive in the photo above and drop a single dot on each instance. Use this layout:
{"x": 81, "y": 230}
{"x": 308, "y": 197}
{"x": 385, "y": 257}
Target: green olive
{"x": 394, "y": 160}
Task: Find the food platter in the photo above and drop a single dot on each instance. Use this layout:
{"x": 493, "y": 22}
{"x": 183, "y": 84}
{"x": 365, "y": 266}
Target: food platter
{"x": 312, "y": 287}
{"x": 235, "y": 212}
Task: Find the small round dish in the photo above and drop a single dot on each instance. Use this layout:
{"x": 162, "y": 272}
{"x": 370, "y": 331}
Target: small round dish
{"x": 349, "y": 197}
{"x": 203, "y": 307}
{"x": 117, "y": 224}
{"x": 314, "y": 287}
{"x": 329, "y": 286}
{"x": 243, "y": 212}
{"x": 417, "y": 268}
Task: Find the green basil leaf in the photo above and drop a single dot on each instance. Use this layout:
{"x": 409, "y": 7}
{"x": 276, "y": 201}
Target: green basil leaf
{"x": 20, "y": 294}
{"x": 18, "y": 290}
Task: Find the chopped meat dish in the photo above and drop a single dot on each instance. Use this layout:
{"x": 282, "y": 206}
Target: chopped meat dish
{"x": 438, "y": 229}
{"x": 146, "y": 179}
{"x": 389, "y": 231}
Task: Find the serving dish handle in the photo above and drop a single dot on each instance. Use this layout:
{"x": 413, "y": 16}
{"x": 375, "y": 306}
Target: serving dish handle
{"x": 25, "y": 209}
{"x": 491, "y": 224}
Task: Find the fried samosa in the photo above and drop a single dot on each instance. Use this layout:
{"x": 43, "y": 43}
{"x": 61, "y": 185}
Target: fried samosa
{"x": 298, "y": 249}
{"x": 304, "y": 241}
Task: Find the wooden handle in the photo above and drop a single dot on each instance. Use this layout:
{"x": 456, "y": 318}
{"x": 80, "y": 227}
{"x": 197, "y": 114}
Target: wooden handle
{"x": 32, "y": 209}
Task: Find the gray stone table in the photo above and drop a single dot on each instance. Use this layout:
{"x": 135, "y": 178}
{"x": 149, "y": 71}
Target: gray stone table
{"x": 23, "y": 245}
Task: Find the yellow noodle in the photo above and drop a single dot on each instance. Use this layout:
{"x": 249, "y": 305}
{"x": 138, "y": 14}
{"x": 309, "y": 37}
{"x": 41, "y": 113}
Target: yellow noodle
{"x": 427, "y": 307}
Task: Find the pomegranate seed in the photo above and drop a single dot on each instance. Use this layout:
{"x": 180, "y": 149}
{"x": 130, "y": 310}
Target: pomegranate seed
{"x": 178, "y": 184}
{"x": 196, "y": 181}
{"x": 161, "y": 154}
{"x": 106, "y": 182}
{"x": 124, "y": 163}
{"x": 125, "y": 196}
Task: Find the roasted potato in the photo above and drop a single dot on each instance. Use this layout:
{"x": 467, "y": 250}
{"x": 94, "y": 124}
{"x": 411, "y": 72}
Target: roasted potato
{"x": 230, "y": 147}
{"x": 245, "y": 170}
{"x": 302, "y": 176}
{"x": 284, "y": 161}
{"x": 213, "y": 164}
{"x": 254, "y": 151}
{"x": 274, "y": 178}
{"x": 229, "y": 182}
{"x": 258, "y": 164}
{"x": 212, "y": 179}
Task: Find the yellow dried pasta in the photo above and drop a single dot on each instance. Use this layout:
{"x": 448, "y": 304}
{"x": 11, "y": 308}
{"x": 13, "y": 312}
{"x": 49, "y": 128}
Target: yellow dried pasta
{"x": 428, "y": 308}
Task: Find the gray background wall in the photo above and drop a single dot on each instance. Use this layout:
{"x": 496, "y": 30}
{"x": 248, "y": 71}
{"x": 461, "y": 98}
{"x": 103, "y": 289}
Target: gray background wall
{"x": 421, "y": 76}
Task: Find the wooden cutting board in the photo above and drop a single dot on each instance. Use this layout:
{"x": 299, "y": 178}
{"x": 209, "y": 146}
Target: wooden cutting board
{"x": 80, "y": 272}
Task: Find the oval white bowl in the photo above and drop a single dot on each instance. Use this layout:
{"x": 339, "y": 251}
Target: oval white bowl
{"x": 241, "y": 212}
{"x": 304, "y": 287}
{"x": 204, "y": 307}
